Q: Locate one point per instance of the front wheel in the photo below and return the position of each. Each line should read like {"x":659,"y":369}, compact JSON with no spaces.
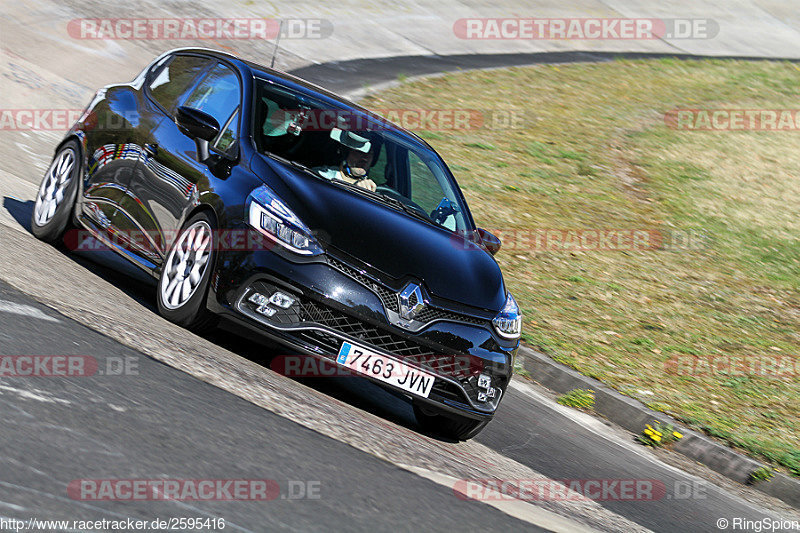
{"x":453,"y":427}
{"x":183,"y":285}
{"x":55,"y":200}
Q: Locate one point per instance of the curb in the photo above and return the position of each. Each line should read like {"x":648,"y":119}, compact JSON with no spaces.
{"x":633,"y":415}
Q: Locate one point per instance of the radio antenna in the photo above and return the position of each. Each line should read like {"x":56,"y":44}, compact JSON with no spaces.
{"x":277,"y":40}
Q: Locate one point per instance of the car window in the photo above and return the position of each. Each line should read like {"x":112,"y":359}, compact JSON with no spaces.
{"x":331,"y":141}
{"x":227,"y":136}
{"x":172,"y":81}
{"x":425,"y":189}
{"x":378,"y":171}
{"x":217,"y":94}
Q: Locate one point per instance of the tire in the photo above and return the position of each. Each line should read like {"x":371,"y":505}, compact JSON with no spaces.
{"x":183,"y":285}
{"x":452,"y":427}
{"x":55,"y":200}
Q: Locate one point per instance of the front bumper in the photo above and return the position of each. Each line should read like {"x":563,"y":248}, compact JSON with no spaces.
{"x":337,"y":302}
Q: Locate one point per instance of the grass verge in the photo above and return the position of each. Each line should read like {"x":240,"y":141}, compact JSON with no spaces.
{"x":707,"y":331}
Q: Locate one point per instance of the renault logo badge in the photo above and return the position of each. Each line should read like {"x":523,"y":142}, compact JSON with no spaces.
{"x":411,"y":301}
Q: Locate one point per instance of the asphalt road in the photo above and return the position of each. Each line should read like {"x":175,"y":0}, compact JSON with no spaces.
{"x":358,"y":76}
{"x":155,"y":422}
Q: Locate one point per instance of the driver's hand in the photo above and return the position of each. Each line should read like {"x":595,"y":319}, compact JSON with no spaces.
{"x":367,"y":184}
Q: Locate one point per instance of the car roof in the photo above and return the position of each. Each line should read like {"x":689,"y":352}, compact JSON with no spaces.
{"x":310,"y":88}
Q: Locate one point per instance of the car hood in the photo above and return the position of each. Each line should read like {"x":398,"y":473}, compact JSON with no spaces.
{"x":389,"y":240}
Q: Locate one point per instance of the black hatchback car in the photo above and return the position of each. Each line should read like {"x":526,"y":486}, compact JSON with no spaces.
{"x":251,"y":194}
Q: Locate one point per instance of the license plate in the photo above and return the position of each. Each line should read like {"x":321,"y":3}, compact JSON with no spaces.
{"x":386,"y":369}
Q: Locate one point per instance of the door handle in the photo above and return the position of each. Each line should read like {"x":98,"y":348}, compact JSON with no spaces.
{"x":151,"y":149}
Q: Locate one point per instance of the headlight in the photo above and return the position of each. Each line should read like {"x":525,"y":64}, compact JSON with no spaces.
{"x":271,"y":217}
{"x":508,"y":322}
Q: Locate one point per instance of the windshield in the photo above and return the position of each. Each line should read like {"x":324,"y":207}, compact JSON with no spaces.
{"x":345,"y":146}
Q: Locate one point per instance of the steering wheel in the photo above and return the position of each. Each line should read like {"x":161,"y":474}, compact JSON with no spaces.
{"x":388,"y":191}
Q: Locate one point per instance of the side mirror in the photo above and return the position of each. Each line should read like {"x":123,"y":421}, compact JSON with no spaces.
{"x":198,"y":125}
{"x":489,"y":241}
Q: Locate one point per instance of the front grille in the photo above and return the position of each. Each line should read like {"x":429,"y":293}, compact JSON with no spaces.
{"x":429,"y":314}
{"x":327,"y":343}
{"x":389,"y":298}
{"x":322,"y":329}
{"x":311,"y":311}
{"x":307,"y":311}
{"x":442,"y":364}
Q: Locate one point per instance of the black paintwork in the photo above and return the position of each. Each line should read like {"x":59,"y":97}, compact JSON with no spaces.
{"x":142,"y":175}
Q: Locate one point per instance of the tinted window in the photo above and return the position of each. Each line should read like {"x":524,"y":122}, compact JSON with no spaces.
{"x":228,"y":135}
{"x":217,"y":94}
{"x":425,"y":188}
{"x":174,"y":79}
{"x":329,"y":140}
{"x":378,"y":172}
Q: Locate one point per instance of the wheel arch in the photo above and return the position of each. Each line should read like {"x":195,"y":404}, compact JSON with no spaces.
{"x":81,"y":146}
{"x":203,"y":207}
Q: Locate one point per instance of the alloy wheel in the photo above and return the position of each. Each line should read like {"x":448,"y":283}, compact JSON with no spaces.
{"x":186,"y":265}
{"x":54,"y":184}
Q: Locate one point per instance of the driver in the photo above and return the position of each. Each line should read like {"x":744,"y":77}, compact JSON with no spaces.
{"x":359,"y":154}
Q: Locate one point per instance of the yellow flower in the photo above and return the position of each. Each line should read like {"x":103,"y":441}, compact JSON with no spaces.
{"x":658,"y":433}
{"x":656,"y":438}
{"x":677,"y":435}
{"x":648,"y":432}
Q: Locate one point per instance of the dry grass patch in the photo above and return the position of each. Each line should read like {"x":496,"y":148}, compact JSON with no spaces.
{"x":595,"y":153}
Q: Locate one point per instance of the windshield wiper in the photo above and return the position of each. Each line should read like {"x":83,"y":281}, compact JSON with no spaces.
{"x":404,"y":206}
{"x":295,"y":164}
{"x":386,"y":198}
